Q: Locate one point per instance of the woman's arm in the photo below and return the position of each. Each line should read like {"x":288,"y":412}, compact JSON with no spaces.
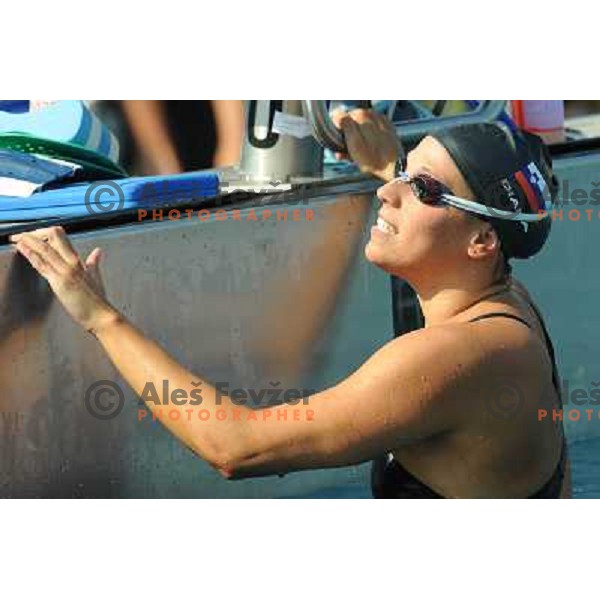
{"x":386,"y":402}
{"x":389,"y":399}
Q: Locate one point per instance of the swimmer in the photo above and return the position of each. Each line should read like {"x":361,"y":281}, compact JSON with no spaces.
{"x":446,"y":411}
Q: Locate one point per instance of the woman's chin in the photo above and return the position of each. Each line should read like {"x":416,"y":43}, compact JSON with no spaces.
{"x":374,"y":254}
{"x":380,"y":257}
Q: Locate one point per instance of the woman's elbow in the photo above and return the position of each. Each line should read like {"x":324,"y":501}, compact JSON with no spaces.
{"x":229,"y":464}
{"x":227,"y":472}
{"x":221,"y":459}
{"x":235,"y":459}
{"x":234,"y":467}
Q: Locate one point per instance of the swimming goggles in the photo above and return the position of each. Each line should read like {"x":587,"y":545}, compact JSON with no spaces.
{"x":434,"y":193}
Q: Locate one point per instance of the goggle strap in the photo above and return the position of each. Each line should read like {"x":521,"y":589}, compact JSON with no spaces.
{"x":482,"y":209}
{"x":495,"y":213}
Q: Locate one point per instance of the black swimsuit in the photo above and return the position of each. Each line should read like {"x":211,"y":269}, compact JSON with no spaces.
{"x":389,"y":479}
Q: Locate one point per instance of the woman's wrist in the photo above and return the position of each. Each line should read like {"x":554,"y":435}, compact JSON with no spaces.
{"x":108,"y":318}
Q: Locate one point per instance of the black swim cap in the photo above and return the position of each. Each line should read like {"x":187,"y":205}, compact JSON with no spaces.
{"x":510,"y":171}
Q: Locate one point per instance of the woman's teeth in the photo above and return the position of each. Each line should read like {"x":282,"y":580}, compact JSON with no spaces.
{"x":385,"y":226}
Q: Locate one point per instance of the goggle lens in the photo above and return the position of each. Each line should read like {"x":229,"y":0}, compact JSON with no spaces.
{"x":427,"y":189}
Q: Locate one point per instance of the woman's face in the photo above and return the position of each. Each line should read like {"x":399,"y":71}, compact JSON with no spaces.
{"x":415,"y":236}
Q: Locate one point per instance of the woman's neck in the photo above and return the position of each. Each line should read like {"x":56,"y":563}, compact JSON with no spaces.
{"x":440,"y":303}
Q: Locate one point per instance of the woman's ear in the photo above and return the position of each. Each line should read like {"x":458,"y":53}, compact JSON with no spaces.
{"x":484,"y":242}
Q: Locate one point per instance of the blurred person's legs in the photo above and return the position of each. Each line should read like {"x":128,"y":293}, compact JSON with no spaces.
{"x":229,"y":119}
{"x":162,"y":137}
{"x":173,"y":136}
{"x":191,"y":124}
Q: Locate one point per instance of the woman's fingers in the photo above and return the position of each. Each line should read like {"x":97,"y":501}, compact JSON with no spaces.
{"x":92,"y":266}
{"x":337,"y":116}
{"x":364,"y":142}
{"x":356,"y":142}
{"x":342,"y":120}
{"x":44,"y":268}
{"x":94,"y":258}
{"x":371,"y":140}
{"x":341,"y":156}
{"x":43,"y":234}
{"x":78,"y":286}
{"x":383,"y":123}
{"x":51,"y":254}
{"x":57,"y":239}
{"x":37,"y":246}
{"x":386,"y":126}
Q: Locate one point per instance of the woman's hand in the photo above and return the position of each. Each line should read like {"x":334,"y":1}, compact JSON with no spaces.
{"x":371,"y":140}
{"x":77,"y":285}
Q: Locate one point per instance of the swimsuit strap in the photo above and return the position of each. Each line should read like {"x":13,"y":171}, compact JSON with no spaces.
{"x":553,"y":487}
{"x":550,"y":347}
{"x":501,"y":314}
{"x":547,"y":340}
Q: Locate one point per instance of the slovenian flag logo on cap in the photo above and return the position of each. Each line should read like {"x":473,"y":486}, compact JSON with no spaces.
{"x":534,"y":186}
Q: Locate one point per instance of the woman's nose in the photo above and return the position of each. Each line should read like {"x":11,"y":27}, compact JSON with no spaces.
{"x":388,"y":194}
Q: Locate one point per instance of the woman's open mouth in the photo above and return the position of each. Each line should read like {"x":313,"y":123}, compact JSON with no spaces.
{"x":385,"y":227}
